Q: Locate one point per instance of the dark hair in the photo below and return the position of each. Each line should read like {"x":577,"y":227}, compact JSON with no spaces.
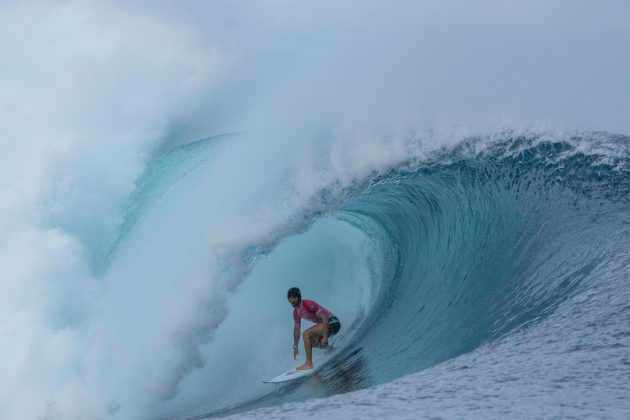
{"x":294,"y":292}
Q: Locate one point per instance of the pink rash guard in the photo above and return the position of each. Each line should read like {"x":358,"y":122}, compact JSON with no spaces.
{"x":310,"y":310}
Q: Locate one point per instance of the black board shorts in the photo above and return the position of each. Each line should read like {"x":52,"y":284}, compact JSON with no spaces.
{"x":333,"y":326}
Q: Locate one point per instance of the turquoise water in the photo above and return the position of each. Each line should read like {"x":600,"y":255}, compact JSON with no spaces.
{"x":424,"y":263}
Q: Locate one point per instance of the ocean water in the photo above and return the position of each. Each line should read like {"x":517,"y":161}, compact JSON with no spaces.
{"x":451,"y":180}
{"x":506,"y":290}
{"x":487,"y":280}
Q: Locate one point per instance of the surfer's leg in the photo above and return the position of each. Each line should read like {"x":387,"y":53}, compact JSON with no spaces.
{"x":311,"y":337}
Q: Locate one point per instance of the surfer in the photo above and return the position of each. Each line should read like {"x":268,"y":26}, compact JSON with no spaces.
{"x":326,"y":325}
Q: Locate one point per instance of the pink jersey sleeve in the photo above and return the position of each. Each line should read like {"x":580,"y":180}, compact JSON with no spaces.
{"x":309,"y":310}
{"x":315,"y":310}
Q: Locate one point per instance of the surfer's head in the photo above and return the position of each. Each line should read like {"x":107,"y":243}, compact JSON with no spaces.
{"x":295,"y":296}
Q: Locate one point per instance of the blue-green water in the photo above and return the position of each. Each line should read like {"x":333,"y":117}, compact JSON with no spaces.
{"x":472,"y":248}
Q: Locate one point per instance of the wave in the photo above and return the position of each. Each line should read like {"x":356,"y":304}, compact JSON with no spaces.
{"x":424,"y":253}
{"x":466,"y":248}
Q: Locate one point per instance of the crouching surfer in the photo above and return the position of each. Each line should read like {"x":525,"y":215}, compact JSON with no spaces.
{"x":326,"y":325}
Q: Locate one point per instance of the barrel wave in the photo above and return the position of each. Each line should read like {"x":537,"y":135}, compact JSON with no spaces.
{"x":505,"y":241}
{"x":474,"y":276}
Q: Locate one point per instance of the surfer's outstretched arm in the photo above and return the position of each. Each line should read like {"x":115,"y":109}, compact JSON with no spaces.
{"x":296,"y":340}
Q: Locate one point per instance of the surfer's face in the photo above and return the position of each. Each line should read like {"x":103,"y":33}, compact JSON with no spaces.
{"x":294,"y":301}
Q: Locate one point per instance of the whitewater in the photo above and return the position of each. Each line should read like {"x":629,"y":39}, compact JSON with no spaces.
{"x":452,"y":181}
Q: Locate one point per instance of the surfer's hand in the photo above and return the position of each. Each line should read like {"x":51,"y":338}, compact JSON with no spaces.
{"x":324,"y":342}
{"x":295,"y":352}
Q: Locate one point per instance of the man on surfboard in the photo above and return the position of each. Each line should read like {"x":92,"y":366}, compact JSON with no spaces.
{"x":326,"y":325}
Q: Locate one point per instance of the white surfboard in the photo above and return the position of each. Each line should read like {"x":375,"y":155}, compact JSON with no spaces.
{"x":290,"y":375}
{"x":293,"y":374}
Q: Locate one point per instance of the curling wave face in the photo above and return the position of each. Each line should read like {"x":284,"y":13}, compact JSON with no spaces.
{"x":424,"y":255}
{"x":475,"y":244}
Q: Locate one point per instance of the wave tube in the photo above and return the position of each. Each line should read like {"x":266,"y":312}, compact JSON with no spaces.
{"x":425,"y":257}
{"x":477,"y":244}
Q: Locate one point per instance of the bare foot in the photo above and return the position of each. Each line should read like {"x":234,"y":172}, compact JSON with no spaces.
{"x":305,"y":366}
